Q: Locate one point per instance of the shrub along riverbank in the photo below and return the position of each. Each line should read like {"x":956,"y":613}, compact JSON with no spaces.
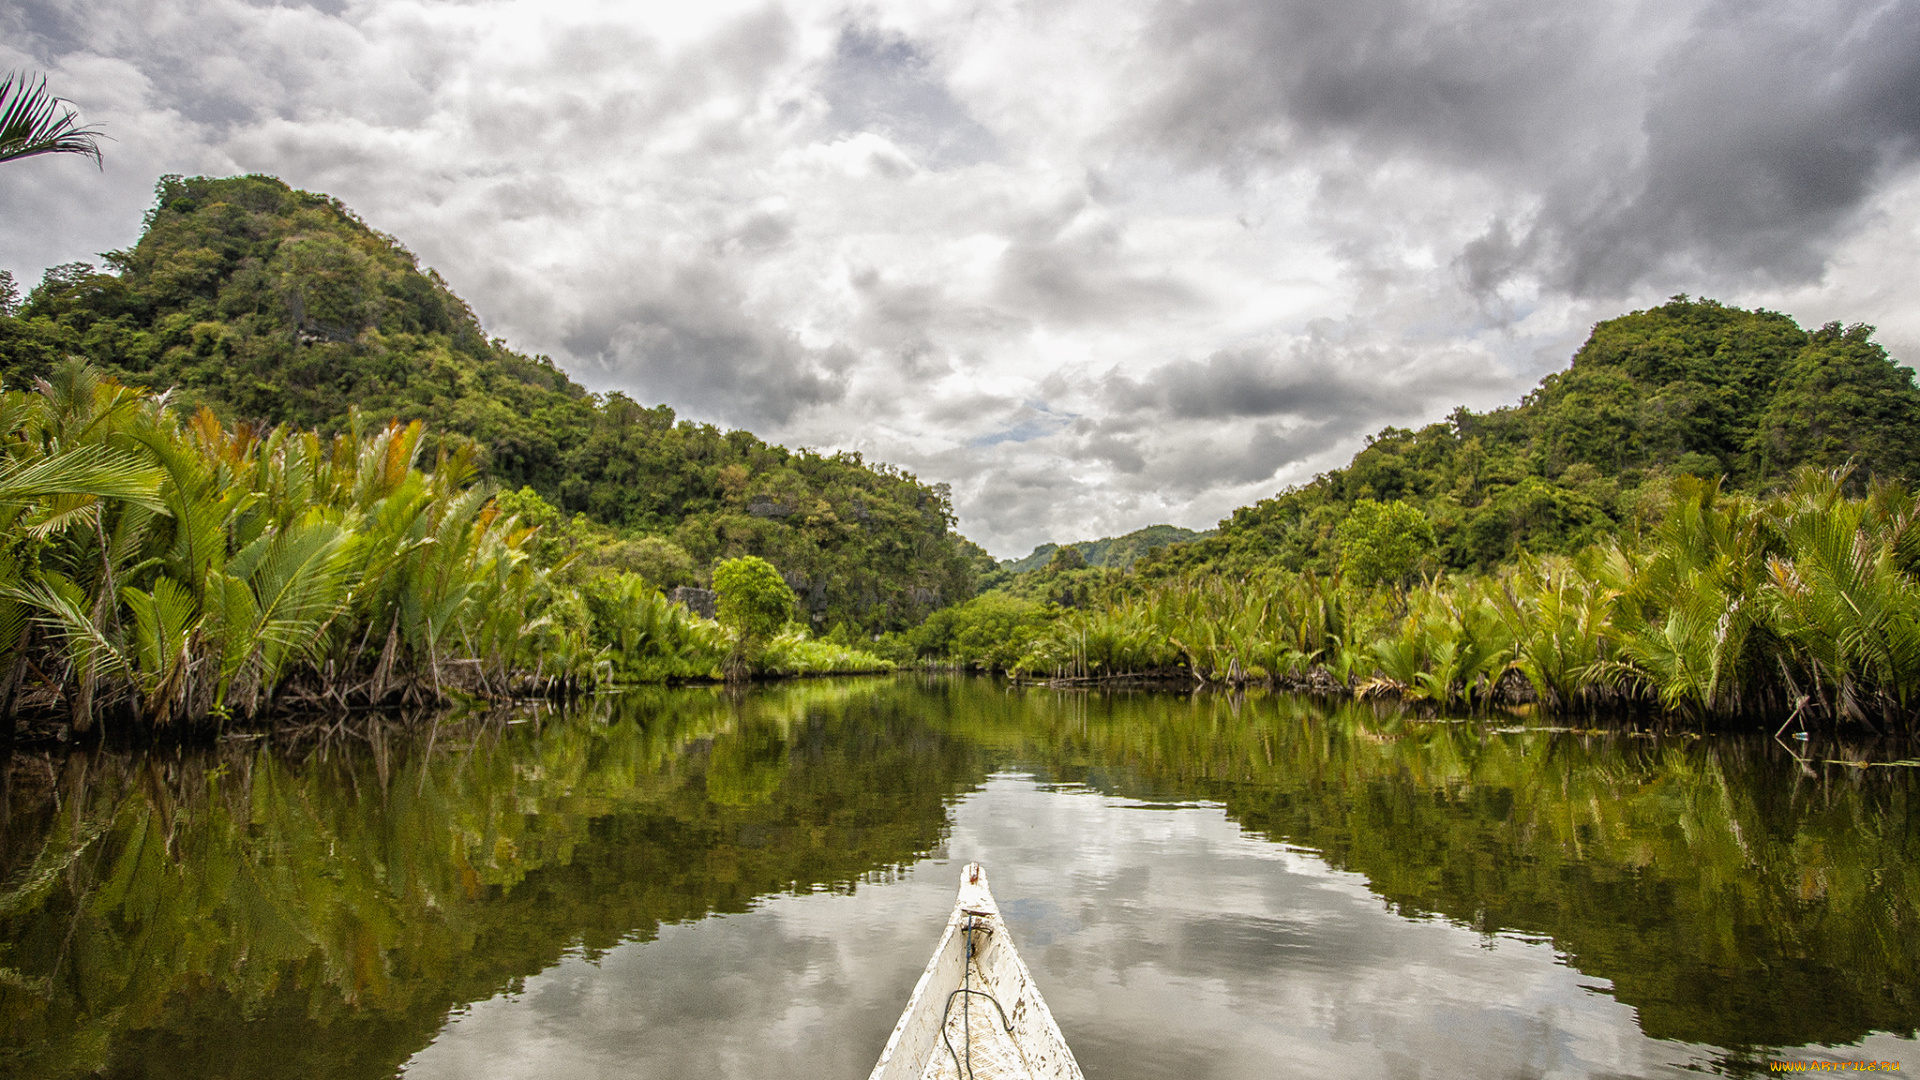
{"x":161,"y":571}
{"x":1800,"y":606}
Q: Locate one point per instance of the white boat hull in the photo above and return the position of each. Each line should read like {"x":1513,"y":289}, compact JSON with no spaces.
{"x":976,"y":1013}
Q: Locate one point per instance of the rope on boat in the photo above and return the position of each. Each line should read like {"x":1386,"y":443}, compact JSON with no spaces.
{"x":966,"y":994}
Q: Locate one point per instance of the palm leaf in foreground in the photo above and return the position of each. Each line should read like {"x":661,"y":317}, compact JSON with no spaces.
{"x":84,"y":470}
{"x":33,"y":122}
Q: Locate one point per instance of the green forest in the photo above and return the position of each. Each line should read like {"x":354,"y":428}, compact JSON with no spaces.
{"x":273,"y":306}
{"x":262,"y":465}
{"x":1706,"y":516}
{"x":262,"y":462}
{"x":1119,"y":552}
{"x":1690,"y":388}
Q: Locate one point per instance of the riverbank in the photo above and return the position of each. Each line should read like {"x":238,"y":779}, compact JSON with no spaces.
{"x":161,"y":573}
{"x":1800,"y":608}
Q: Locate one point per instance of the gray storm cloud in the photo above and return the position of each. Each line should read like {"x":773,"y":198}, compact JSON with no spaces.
{"x":1633,"y":141}
{"x":1329,"y":379}
{"x":1252,"y":382}
{"x":1767,"y":130}
{"x":1095,"y":264}
{"x":687,"y":341}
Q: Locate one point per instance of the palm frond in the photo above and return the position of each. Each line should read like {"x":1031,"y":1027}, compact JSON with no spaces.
{"x":64,"y":609}
{"x":90,"y":469}
{"x":34,"y":122}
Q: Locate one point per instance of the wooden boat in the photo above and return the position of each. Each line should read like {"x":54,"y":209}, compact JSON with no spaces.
{"x":976,"y":1013}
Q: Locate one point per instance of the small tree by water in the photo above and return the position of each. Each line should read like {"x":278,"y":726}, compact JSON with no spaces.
{"x":1383,"y":542}
{"x":754,"y":602}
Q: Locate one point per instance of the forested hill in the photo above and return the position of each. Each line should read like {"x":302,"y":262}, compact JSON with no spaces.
{"x":267,"y":303}
{"x":1118,"y":552}
{"x":1692,"y":386}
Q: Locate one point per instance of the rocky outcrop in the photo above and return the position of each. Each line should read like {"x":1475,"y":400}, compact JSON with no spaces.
{"x":766,"y":506}
{"x":698,"y":601}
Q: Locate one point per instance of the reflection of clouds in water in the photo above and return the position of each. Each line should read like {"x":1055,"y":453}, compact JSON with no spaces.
{"x":1209,"y":953}
{"x":801,"y":986}
{"x":1168,"y":943}
{"x":1041,"y":922}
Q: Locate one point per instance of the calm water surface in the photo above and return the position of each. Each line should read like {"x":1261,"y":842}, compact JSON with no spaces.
{"x":686,"y":884}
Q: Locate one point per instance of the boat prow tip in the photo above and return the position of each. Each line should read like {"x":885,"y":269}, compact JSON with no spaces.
{"x":975,"y":959}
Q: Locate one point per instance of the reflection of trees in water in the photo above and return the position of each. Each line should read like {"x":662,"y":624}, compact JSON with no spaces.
{"x":318,"y":910}
{"x":1732,"y":896}
{"x":246,"y":911}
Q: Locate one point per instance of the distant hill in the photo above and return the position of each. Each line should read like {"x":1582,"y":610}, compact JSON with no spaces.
{"x":266,"y":303}
{"x":1117,"y":552}
{"x":1691,"y":386}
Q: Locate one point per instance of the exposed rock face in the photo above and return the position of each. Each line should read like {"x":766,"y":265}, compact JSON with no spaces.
{"x":817,"y":599}
{"x":698,"y":601}
{"x":766,"y":506}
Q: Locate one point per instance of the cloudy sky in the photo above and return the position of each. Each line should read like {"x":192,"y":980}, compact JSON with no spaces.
{"x":1096,"y":263}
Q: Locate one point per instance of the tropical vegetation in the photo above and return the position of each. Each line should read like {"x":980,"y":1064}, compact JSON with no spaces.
{"x":272,"y":306}
{"x":1654,"y":527}
{"x":1708,"y":515}
{"x":1689,"y":388}
{"x":1799,"y":606}
{"x":1118,"y":552}
{"x":158,"y":570}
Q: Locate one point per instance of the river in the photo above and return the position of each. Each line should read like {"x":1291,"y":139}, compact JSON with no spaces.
{"x":695,"y":883}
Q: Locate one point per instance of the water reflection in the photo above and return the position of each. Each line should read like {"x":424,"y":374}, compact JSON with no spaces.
{"x":686,"y":883}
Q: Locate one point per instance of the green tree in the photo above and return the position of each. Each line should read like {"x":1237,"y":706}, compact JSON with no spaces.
{"x":754,"y":602}
{"x":1841,"y":401}
{"x":662,"y":562}
{"x":1067,"y":558}
{"x":1383,"y":542}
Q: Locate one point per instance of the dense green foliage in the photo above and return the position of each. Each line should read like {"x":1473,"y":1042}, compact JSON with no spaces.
{"x":752,"y":601}
{"x":752,"y":598}
{"x":166,"y":572}
{"x":157,"y":572}
{"x":1067,"y":574}
{"x":268,"y":304}
{"x":1687,"y":388}
{"x":1800,"y":605}
{"x":1383,"y":542}
{"x":256,"y":301}
{"x":994,"y":631}
{"x":1064,"y":579}
{"x":1706,"y":514}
